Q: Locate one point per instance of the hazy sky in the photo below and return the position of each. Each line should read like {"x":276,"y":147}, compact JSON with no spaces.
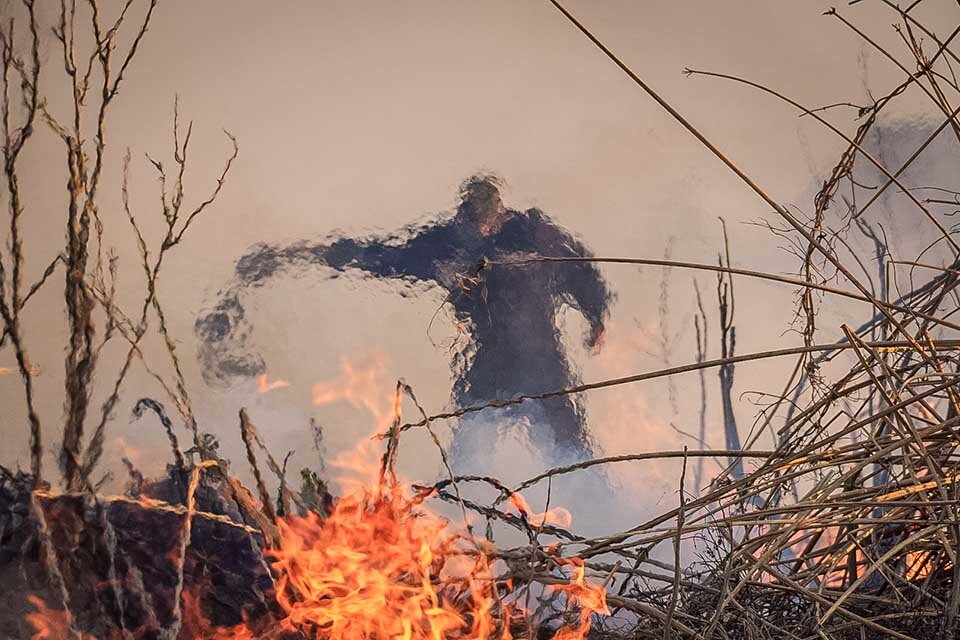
{"x":365,"y":116}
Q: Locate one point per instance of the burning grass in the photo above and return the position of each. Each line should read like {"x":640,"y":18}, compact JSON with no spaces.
{"x":845,"y":527}
{"x":377,"y":565}
{"x":799,"y":543}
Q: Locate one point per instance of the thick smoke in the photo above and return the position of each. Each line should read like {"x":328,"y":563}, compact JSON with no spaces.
{"x":509,"y":312}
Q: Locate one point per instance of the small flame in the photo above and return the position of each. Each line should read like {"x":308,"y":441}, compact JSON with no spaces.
{"x":196,"y":625}
{"x":363,"y":385}
{"x":9,"y":371}
{"x":557,"y":516}
{"x":50,"y":624}
{"x":265,"y":386}
{"x":587,"y":598}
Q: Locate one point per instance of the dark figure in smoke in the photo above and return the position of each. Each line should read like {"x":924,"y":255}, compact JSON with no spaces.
{"x":510,"y":312}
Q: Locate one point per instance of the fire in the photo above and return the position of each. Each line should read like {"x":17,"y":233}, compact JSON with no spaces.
{"x":588,"y":598}
{"x":557,"y":516}
{"x":265,"y":386}
{"x":49,"y":624}
{"x":195,"y":624}
{"x":381,"y":565}
{"x":362,"y":384}
{"x":376,"y":568}
{"x":9,"y":371}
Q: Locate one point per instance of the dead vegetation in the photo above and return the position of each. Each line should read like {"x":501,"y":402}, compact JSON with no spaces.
{"x":844,"y":526}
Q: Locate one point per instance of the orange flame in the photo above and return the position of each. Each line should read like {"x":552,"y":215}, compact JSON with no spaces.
{"x":557,"y":516}
{"x":373,"y":570}
{"x":265,"y":386}
{"x":587,"y":598}
{"x":195,"y":624}
{"x":362,"y":385}
{"x":9,"y":371}
{"x":49,"y":624}
{"x":382,"y":565}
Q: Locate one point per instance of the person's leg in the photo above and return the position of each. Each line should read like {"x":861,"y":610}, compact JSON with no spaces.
{"x":568,"y":428}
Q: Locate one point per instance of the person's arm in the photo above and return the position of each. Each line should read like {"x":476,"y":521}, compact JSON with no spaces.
{"x":581,"y":283}
{"x":223,"y":332}
{"x":390,"y":257}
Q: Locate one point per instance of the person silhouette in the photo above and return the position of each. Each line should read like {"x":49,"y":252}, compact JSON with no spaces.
{"x":509,"y":312}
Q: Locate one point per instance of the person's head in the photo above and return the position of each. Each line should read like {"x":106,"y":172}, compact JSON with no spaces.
{"x":480,"y":204}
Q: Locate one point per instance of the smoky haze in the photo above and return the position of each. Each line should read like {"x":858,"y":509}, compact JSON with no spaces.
{"x":353,"y":116}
